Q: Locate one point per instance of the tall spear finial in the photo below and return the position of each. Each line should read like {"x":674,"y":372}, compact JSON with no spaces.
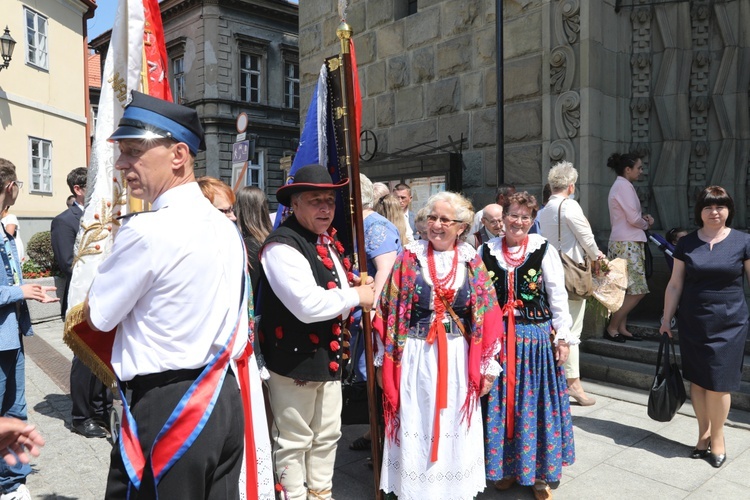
{"x":344,"y":32}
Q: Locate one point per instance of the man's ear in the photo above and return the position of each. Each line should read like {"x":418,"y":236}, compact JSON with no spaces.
{"x":181,"y":153}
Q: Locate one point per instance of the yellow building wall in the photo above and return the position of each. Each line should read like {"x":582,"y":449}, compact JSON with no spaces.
{"x":46,"y":104}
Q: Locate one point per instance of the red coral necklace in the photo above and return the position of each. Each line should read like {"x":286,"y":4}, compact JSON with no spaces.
{"x":508,"y":256}
{"x":446,"y":283}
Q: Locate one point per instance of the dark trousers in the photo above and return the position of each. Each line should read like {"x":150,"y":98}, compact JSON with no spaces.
{"x":91,"y":398}
{"x":209,"y":469}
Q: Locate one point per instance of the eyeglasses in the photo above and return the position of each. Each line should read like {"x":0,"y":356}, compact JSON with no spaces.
{"x":493,"y":222}
{"x":526,"y":219}
{"x":225,"y":211}
{"x":445,"y":221}
{"x":19,"y":184}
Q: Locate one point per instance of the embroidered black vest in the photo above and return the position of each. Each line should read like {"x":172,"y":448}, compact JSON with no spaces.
{"x":529,"y":284}
{"x":290,"y":347}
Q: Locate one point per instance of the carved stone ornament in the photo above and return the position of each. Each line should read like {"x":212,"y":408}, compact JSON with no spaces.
{"x":568,"y":114}
{"x":570,"y":21}
{"x":562,"y":68}
{"x":561,"y":149}
{"x":640,"y":105}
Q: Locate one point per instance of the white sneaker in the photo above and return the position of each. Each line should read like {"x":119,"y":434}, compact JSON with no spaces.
{"x":22,"y":493}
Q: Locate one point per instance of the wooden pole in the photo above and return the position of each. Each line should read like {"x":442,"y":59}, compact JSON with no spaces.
{"x":344,"y":32}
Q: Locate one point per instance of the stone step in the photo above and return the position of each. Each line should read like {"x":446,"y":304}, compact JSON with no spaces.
{"x":642,"y":352}
{"x":650,"y":329}
{"x":640,"y":375}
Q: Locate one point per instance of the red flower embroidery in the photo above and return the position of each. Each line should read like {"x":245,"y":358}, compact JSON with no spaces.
{"x":314,"y":339}
{"x":331,"y":285}
{"x":322,"y":251}
{"x":279,"y":488}
{"x":279,"y":332}
{"x":336,"y":329}
{"x":347,"y":263}
{"x":328,"y":263}
{"x":350,"y":277}
{"x":339,"y":246}
{"x":335,"y":346}
{"x":333,"y":366}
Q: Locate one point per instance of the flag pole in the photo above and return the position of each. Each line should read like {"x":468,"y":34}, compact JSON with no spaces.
{"x":344,"y":33}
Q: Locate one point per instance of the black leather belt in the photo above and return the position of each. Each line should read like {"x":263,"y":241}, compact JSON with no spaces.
{"x":142,"y":383}
{"x":421,"y":330}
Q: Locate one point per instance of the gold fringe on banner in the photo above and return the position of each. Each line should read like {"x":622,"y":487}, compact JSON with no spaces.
{"x":75,"y":320}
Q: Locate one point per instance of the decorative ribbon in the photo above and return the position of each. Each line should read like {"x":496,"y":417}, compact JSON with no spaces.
{"x":437,"y":331}
{"x":509,"y":310}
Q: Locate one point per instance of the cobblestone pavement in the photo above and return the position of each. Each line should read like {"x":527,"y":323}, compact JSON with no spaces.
{"x":620,"y":452}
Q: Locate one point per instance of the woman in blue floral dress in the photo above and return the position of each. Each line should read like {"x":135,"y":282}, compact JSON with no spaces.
{"x":529,"y":429}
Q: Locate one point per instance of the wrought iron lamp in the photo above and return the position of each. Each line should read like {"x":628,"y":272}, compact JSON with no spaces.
{"x":7,"y":44}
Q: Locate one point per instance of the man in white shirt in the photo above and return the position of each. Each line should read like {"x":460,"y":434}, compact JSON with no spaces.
{"x":403,"y":193}
{"x":306,"y":293}
{"x":178,"y":303}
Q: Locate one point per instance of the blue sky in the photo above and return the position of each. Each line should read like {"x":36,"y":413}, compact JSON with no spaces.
{"x":104,"y":17}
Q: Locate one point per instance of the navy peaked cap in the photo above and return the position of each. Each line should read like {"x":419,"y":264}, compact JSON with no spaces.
{"x":147,"y":117}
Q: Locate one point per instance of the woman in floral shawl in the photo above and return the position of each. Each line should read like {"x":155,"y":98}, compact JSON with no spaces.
{"x":438,"y":329}
{"x":529,"y":433}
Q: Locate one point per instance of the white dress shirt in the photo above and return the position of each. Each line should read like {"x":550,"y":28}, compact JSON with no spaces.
{"x":576,"y":236}
{"x":292,"y":280}
{"x":171,"y":286}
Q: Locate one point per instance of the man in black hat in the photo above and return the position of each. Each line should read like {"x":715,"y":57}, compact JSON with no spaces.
{"x":307,"y":293}
{"x":179,"y":305}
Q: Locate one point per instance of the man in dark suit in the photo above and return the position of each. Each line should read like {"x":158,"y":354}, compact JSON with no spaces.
{"x":403,"y":193}
{"x":91,"y":399}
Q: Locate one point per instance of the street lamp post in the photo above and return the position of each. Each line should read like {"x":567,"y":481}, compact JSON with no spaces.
{"x":7,"y":44}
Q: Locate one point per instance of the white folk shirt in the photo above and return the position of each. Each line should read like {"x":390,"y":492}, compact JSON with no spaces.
{"x":171,"y":286}
{"x":292,"y":280}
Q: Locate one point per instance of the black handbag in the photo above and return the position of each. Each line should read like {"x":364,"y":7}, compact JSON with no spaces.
{"x":648,"y":261}
{"x":667,"y":393}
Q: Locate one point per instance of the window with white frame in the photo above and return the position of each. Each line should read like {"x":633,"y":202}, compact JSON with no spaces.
{"x":254,"y":173}
{"x":36,"y":39}
{"x":178,"y":79}
{"x":291,"y":85}
{"x":250,"y":77}
{"x":40,"y":161}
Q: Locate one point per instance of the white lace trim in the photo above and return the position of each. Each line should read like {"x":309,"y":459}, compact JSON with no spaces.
{"x":495,"y":246}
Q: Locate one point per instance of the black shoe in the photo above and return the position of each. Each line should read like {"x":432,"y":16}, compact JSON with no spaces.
{"x":717,"y":461}
{"x":620,"y":339}
{"x":89,"y":429}
{"x":700,"y":453}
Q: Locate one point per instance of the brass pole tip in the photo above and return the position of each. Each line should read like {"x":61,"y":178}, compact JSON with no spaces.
{"x":344,"y":31}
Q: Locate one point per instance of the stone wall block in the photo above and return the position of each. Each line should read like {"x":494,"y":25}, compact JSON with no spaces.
{"x":472,"y":174}
{"x":490,"y":86}
{"x":379,"y":13}
{"x":460,"y":17}
{"x":356,"y":17}
{"x":368,"y":113}
{"x":486,"y":47}
{"x":390,"y":40}
{"x":442,"y":97}
{"x":365,"y":45}
{"x":522,"y":165}
{"x":397,"y":72}
{"x":452,"y":127}
{"x":409,"y":104}
{"x":310,"y":36}
{"x":523,"y":78}
{"x":421,"y":28}
{"x":523,"y":121}
{"x":453,"y":56}
{"x":423,"y":65}
{"x":384,"y":106}
{"x":483,"y":128}
{"x":522,"y":35}
{"x":407,"y":135}
{"x":490,"y":173}
{"x":472,"y":90}
{"x":375,"y":79}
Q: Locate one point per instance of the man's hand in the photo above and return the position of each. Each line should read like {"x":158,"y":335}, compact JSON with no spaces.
{"x":18,"y":439}
{"x":39,"y":293}
{"x":366,"y":293}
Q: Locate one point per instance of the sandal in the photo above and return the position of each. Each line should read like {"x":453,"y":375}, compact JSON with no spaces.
{"x":542,"y":491}
{"x":361,"y":444}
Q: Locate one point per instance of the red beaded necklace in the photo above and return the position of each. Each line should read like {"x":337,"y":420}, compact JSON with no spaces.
{"x":515,"y":261}
{"x":444,"y":284}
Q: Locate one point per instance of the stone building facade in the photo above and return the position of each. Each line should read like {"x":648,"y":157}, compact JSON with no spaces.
{"x":227,"y":57}
{"x":668,"y":79}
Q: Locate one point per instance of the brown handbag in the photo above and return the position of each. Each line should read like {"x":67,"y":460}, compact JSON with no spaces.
{"x":578,"y":282}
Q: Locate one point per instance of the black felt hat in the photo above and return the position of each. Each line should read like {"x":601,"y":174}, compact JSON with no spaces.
{"x":308,"y":178}
{"x":147,"y":117}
